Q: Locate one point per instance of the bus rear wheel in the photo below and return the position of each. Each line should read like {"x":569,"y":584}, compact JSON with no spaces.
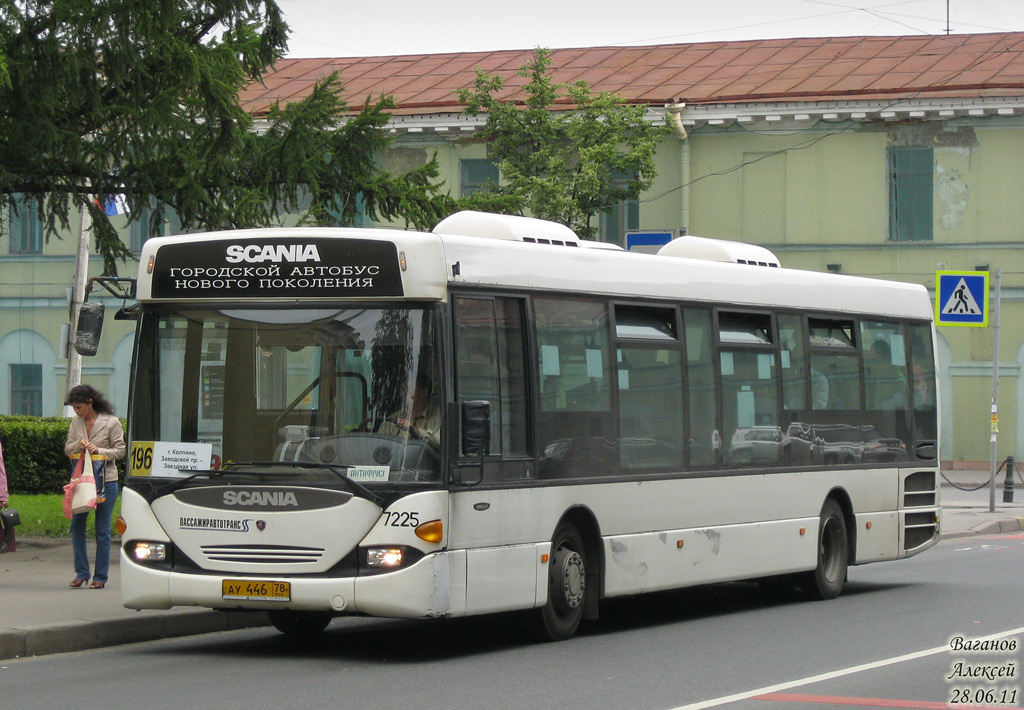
{"x":300,"y":624}
{"x":567,"y":585}
{"x":828,"y":578}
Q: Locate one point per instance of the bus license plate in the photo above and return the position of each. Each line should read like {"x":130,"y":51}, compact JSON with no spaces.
{"x":256,"y":590}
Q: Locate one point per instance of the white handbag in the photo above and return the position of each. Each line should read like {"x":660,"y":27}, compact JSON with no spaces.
{"x":80,"y":492}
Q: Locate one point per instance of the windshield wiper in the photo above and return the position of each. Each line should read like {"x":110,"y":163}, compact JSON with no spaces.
{"x":171,"y":486}
{"x":355,"y":487}
{"x":337,"y":469}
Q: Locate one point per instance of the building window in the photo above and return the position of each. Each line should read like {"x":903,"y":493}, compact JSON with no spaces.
{"x":337,"y":211}
{"x":141,"y":229}
{"x":910,"y":176}
{"x":27,"y":390}
{"x":615,"y":221}
{"x":26,"y":226}
{"x":476,"y":174}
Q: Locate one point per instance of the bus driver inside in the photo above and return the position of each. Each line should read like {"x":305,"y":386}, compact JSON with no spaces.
{"x":424,"y":422}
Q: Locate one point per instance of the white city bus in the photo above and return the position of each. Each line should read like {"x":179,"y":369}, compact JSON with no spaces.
{"x":586,"y":423}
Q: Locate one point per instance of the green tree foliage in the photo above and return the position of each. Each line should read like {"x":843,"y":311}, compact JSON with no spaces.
{"x":566,"y":153}
{"x":108,"y":97}
{"x":5,"y":78}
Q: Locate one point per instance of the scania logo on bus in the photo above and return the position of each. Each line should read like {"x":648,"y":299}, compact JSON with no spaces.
{"x":275,"y":499}
{"x":262,"y":498}
{"x":277,"y":253}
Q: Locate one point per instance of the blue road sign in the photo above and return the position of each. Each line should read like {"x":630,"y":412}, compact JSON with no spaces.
{"x":647,"y":241}
{"x":961,"y":298}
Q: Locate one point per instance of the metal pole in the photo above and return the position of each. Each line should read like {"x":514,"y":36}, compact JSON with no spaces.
{"x":1011,"y":466}
{"x":995,"y":388}
{"x":74,"y":372}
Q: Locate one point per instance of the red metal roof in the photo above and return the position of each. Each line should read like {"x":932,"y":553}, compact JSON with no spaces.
{"x":776,"y":70}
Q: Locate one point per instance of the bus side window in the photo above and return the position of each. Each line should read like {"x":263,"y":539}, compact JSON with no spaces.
{"x":835,"y":366}
{"x":922,"y":367}
{"x":704,"y":443}
{"x":650,"y":386}
{"x":576,"y":425}
{"x":489,"y":367}
{"x":885,"y":366}
{"x":794,"y":364}
{"x":750,"y":385}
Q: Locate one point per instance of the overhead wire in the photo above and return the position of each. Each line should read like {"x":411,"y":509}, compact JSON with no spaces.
{"x":851,"y":125}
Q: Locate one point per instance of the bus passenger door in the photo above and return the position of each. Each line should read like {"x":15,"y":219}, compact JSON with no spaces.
{"x":490,"y":523}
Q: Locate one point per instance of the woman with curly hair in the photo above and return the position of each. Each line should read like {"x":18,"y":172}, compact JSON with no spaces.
{"x":97,"y":431}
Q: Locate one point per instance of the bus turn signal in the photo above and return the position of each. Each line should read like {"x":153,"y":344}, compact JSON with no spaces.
{"x":431,"y":531}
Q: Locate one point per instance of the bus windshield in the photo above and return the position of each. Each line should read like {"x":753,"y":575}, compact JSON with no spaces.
{"x":309,"y":391}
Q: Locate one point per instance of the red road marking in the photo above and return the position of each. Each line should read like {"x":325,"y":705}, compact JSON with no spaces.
{"x":868,"y":702}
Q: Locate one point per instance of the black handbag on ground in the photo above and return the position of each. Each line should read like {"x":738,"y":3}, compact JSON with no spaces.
{"x":9,"y":518}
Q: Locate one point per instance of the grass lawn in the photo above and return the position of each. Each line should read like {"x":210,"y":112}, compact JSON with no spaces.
{"x":43,"y":516}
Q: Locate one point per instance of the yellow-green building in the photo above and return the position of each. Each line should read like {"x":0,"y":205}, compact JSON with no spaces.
{"x":893,"y":157}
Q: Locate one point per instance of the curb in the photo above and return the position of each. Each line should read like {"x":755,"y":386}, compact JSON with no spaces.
{"x":991,"y":527}
{"x":85,"y":634}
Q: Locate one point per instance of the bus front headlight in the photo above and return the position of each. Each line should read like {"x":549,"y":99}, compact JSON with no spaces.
{"x":143,"y":551}
{"x":386,"y":557}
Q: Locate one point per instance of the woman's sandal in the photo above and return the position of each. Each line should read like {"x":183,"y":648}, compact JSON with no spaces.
{"x":97,"y":585}
{"x":76,"y":583}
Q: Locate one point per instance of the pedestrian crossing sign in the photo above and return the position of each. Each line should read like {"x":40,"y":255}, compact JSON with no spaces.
{"x":961,"y":298}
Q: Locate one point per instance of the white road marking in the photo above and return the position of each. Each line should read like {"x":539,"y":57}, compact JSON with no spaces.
{"x":725,"y":700}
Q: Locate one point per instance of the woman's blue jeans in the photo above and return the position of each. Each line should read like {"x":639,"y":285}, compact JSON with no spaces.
{"x":104,"y":511}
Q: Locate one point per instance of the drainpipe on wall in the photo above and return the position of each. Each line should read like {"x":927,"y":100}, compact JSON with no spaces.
{"x":674,"y":114}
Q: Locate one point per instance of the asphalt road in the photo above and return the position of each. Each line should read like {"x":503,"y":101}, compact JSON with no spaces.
{"x":885,"y":642}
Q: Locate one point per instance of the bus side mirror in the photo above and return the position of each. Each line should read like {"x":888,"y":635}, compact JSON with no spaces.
{"x":476,"y":428}
{"x":90,"y":323}
{"x":476,"y":436}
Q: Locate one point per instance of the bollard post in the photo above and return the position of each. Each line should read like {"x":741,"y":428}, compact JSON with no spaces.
{"x":1011,"y":466}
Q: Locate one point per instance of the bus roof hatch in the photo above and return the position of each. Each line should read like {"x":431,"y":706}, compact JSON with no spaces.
{"x":508,"y":227}
{"x":720,"y":250}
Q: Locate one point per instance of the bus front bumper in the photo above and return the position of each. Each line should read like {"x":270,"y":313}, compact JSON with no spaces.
{"x":418,"y":591}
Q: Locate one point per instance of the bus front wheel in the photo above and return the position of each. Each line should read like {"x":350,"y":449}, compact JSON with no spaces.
{"x":300,"y":624}
{"x":828,"y":578}
{"x":567,"y":584}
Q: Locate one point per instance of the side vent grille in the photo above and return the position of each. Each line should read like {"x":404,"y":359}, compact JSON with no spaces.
{"x":915,"y":537}
{"x":920,"y":525}
{"x":920,"y":481}
{"x":918,"y":500}
{"x":751,"y":262}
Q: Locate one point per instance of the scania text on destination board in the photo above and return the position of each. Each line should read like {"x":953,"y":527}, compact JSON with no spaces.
{"x":306,"y":268}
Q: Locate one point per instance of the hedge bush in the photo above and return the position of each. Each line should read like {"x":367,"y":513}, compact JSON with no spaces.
{"x":34,"y":453}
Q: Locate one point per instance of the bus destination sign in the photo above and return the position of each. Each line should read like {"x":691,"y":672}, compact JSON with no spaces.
{"x":293,"y":268}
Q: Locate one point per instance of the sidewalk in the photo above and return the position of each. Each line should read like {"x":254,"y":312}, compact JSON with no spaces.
{"x":40,"y":615}
{"x":966,"y":498}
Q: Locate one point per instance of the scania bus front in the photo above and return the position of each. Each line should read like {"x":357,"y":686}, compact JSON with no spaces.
{"x":285,"y":455}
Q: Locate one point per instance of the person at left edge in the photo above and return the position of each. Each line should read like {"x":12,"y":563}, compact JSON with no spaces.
{"x":6,"y":536}
{"x":3,"y":479}
{"x":96,"y":429}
